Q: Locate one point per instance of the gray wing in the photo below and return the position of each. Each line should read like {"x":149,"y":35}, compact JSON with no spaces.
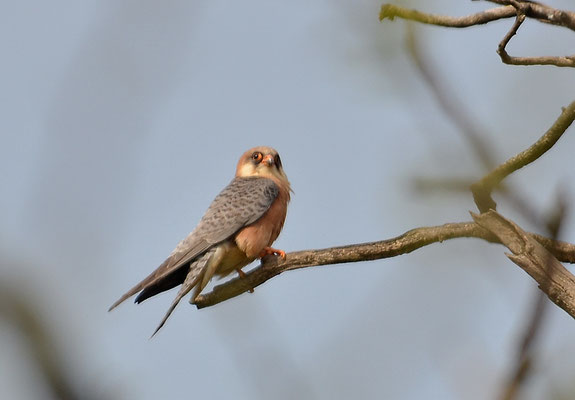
{"x":241,"y":203}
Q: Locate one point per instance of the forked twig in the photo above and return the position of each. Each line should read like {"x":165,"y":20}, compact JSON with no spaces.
{"x":509,"y":8}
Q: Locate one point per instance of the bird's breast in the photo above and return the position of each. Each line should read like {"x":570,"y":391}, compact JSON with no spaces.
{"x":255,"y":237}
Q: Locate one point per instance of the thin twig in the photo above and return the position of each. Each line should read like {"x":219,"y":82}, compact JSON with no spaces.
{"x":390,"y":11}
{"x":510,"y":8}
{"x":557,"y":61}
{"x":565,"y":61}
{"x":541,"y":12}
{"x":483,"y":188}
{"x":406,"y":243}
{"x":512,"y":32}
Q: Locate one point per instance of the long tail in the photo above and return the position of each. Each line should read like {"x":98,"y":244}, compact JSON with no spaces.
{"x":197,"y":269}
{"x":154,"y":283}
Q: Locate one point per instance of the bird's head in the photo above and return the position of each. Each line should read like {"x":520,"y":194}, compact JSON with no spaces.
{"x":261,"y":161}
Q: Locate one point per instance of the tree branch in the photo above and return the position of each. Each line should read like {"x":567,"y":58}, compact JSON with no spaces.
{"x":553,"y":278}
{"x":541,"y":12}
{"x":526,"y":354}
{"x":566,"y":61}
{"x":561,"y":61}
{"x":390,"y":11}
{"x":483,"y":188}
{"x":510,"y":8}
{"x":412,"y":240}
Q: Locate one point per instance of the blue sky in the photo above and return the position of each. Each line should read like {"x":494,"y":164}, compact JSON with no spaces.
{"x":122,"y":121}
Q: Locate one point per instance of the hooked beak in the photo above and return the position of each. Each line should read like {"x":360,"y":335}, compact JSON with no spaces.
{"x":268,"y":160}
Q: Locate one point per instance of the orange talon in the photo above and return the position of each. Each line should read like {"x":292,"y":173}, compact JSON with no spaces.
{"x":242,"y":275}
{"x":270,"y":250}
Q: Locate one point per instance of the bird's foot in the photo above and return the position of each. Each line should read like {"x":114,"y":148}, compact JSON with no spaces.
{"x":270,"y":250}
{"x":242,"y":275}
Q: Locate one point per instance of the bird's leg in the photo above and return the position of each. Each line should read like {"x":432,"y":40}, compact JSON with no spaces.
{"x":242,"y":275}
{"x":270,"y":250}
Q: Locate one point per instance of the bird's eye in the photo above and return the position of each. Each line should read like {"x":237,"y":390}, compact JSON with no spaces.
{"x":257,"y":156}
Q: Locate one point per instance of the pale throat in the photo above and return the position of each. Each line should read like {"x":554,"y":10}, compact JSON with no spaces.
{"x":248,"y":170}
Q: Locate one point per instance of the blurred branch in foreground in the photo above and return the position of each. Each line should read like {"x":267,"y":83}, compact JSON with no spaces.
{"x":452,"y":106}
{"x":20,"y":312}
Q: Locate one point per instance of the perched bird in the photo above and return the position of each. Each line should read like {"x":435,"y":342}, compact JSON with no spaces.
{"x":239,"y":226}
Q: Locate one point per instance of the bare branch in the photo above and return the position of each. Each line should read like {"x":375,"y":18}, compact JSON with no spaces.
{"x":538,"y":11}
{"x":553,"y":278}
{"x":510,"y":8}
{"x":566,"y":61}
{"x":412,"y":240}
{"x":562,"y":61}
{"x":483,"y":188}
{"x":512,"y":32}
{"x":524,"y":361}
{"x":541,"y":12}
{"x":390,"y":11}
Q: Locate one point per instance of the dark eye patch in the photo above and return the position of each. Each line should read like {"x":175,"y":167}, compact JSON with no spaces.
{"x":277,"y":160}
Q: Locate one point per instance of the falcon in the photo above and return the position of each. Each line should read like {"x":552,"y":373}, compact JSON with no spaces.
{"x":239,"y":226}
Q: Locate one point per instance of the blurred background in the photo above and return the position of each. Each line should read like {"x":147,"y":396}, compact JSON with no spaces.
{"x":122,"y":120}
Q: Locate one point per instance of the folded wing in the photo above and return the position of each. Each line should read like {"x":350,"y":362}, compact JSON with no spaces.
{"x":240,"y":204}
